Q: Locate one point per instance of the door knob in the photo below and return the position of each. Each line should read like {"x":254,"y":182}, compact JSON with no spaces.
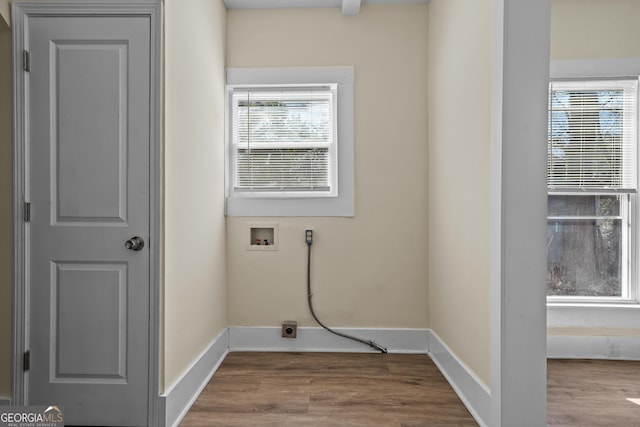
{"x":135,"y":243}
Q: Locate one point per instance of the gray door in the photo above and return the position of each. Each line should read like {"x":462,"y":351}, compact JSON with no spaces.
{"x":88,"y":127}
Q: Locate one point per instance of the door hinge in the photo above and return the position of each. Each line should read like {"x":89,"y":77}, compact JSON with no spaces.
{"x":27,"y":211}
{"x":25,"y":60}
{"x":26,"y":360}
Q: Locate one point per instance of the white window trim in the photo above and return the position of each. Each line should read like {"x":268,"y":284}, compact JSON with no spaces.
{"x":343,"y":204}
{"x":607,"y":70}
{"x":600,"y":314}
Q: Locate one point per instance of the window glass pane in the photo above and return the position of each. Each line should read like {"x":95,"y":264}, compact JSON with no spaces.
{"x":584,"y":257}
{"x":284,"y":141}
{"x":283,"y":169}
{"x":592,"y":135}
{"x":277,"y":121}
{"x":589,"y":205}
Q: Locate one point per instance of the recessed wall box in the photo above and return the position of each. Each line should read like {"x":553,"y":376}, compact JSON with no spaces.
{"x":263,"y":237}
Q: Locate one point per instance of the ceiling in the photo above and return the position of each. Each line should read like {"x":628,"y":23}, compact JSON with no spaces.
{"x":349,"y":7}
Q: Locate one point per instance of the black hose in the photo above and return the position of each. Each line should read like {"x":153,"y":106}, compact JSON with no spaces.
{"x":370,"y":343}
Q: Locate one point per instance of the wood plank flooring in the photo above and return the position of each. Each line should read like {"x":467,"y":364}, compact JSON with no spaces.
{"x":325,"y":389}
{"x":593,"y":393}
{"x":328,"y":389}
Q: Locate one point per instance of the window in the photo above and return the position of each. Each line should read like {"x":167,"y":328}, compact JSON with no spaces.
{"x":592,"y":186}
{"x":283,"y":141}
{"x":290,"y":142}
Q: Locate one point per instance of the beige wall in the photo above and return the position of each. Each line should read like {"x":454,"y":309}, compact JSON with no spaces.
{"x":459,"y":146}
{"x":595,"y":29}
{"x":6,"y":211}
{"x":5,"y":11}
{"x":194,"y":228}
{"x":370,"y":270}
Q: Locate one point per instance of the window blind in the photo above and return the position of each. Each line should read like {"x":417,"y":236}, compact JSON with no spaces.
{"x":283,"y":139}
{"x":592,"y":135}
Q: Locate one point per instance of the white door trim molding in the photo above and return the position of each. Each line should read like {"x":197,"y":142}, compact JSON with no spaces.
{"x":21,"y":13}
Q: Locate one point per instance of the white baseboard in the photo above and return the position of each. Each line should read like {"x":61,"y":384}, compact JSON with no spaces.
{"x":473,"y":393}
{"x":316,"y":339}
{"x":593,"y":347}
{"x":5,"y":401}
{"x":179,"y":398}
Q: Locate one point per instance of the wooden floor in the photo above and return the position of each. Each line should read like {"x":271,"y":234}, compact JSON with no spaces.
{"x":593,"y":393}
{"x":325,"y":389}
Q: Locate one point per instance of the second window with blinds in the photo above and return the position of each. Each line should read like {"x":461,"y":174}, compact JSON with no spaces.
{"x":592,"y":184}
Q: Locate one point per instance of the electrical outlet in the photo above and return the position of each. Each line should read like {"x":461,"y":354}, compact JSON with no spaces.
{"x":290,"y":329}
{"x":308,"y":236}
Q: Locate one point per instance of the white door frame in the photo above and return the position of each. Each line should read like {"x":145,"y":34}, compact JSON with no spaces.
{"x":21,"y":13}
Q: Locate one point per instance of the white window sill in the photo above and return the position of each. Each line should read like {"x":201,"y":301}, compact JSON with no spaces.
{"x":593,"y":315}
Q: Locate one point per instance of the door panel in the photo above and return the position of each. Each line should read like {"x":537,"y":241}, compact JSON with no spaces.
{"x":88,"y":150}
{"x":93,"y":144}
{"x":90,"y":338}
